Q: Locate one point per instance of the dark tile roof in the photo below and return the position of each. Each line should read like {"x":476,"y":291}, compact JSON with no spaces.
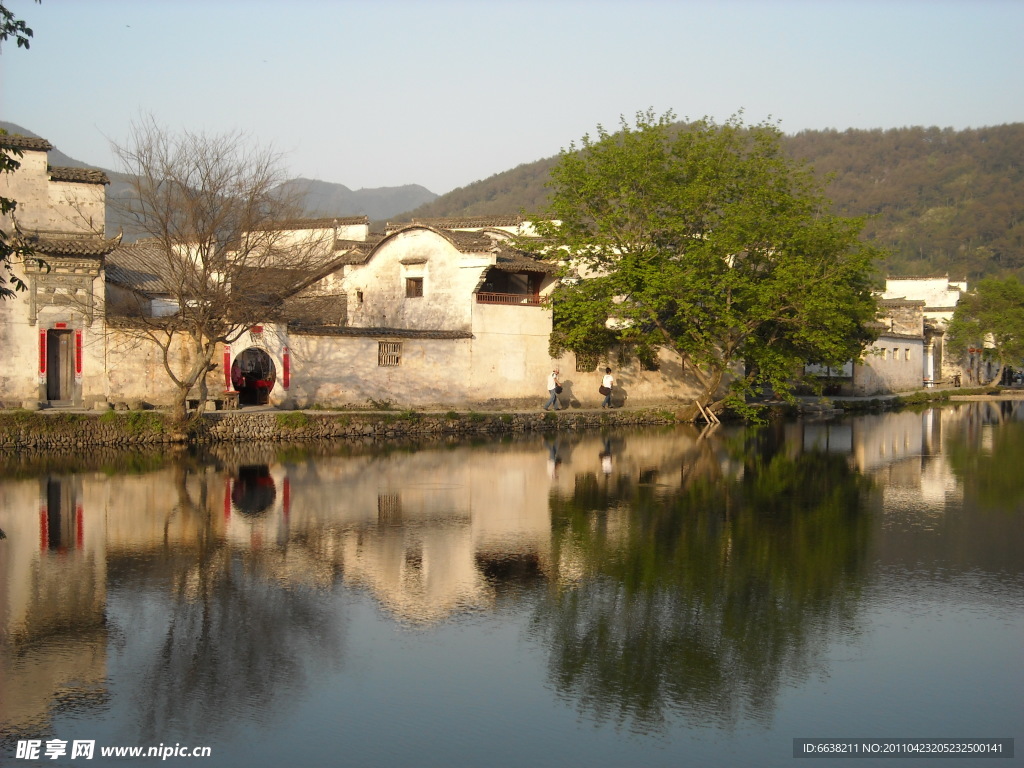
{"x":511,"y":260}
{"x":901,"y":302}
{"x":17,"y":141}
{"x":316,"y":310}
{"x":356,"y":251}
{"x":476,"y":222}
{"x":86,"y":175}
{"x":53,"y":244}
{"x":469,"y":242}
{"x":141,"y":266}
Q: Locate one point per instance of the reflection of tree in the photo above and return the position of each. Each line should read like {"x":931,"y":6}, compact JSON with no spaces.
{"x":704,"y":601}
{"x":990,"y":473}
{"x":235,"y":639}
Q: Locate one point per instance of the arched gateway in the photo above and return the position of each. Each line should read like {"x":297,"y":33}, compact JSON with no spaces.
{"x":253,"y":375}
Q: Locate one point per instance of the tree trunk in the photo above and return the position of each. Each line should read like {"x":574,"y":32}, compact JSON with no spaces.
{"x":710,"y":384}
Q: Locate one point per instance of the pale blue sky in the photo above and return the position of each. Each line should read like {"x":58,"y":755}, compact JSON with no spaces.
{"x":442,"y":93}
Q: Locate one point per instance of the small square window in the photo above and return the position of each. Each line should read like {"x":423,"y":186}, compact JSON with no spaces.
{"x":413,"y":287}
{"x":389,"y":353}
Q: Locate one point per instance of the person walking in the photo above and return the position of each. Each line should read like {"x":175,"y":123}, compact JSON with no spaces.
{"x":606,"y":388}
{"x":553,"y":389}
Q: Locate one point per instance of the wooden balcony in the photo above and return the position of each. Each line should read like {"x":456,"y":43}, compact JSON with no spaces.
{"x":509,"y":299}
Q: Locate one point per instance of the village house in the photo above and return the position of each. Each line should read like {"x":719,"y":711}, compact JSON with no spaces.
{"x":891,"y":363}
{"x":442,"y":313}
{"x":53,"y":333}
{"x":939,"y":296}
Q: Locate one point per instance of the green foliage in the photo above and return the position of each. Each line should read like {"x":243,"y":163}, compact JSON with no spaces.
{"x":476,"y":418}
{"x":452,"y":416}
{"x":991,"y":317}
{"x":136,"y":422}
{"x":12,"y":27}
{"x":43,"y":423}
{"x":707,"y":240}
{"x":292,"y":420}
{"x":380,"y":405}
{"x":938,"y":200}
{"x":520,"y":189}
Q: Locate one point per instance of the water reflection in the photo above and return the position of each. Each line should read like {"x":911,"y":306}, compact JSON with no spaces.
{"x":667,"y":574}
{"x":705,"y":594}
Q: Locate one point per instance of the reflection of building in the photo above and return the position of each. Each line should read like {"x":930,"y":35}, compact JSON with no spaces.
{"x":52,"y":600}
{"x":904,"y":450}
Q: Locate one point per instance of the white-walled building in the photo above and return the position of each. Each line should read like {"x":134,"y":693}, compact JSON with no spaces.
{"x":939,"y":297}
{"x":53,"y":333}
{"x":438,"y":312}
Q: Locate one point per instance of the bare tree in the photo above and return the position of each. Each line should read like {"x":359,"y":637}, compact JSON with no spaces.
{"x":214,"y":212}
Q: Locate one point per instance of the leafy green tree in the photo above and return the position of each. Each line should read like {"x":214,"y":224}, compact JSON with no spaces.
{"x":707,"y":240}
{"x":10,"y":249}
{"x":991,"y":317}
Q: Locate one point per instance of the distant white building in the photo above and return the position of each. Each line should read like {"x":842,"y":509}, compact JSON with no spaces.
{"x":892,"y":363}
{"x":939,"y":295}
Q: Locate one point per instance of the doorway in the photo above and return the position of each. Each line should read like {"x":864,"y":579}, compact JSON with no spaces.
{"x":60,"y":368}
{"x":253,"y":375}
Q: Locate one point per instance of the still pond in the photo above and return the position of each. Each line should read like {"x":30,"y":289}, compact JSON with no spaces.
{"x":649,"y":597}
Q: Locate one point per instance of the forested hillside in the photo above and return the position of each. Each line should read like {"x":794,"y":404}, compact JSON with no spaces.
{"x":941,"y":201}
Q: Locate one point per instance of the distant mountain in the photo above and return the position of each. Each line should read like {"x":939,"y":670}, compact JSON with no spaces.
{"x":940,"y":201}
{"x":321,"y":198}
{"x":325,"y":199}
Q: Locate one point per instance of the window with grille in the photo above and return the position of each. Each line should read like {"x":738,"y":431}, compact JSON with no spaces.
{"x":389,"y":353}
{"x":413,"y":287}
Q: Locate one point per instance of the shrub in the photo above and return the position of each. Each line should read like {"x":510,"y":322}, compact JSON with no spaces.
{"x":292,"y":420}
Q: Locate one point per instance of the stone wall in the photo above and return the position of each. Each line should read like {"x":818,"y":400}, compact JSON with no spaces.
{"x":21,"y":430}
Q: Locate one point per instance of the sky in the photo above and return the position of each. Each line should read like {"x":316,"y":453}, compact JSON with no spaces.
{"x":442,"y":93}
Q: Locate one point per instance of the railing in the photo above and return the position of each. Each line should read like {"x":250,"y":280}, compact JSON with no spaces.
{"x":520,"y":299}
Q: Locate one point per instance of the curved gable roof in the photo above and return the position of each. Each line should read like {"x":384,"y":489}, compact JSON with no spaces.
{"x":464,"y":242}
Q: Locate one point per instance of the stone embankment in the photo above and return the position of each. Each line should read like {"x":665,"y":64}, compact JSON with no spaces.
{"x":65,"y":430}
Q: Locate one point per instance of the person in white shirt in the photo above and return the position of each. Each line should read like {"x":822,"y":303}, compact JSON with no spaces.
{"x":553,"y":391}
{"x":607,"y":383}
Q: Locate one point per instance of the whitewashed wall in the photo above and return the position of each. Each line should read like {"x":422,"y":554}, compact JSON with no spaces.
{"x":891,"y":365}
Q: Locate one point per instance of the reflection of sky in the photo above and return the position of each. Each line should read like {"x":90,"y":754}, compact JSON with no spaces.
{"x":928,"y":662}
{"x":474,"y":692}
